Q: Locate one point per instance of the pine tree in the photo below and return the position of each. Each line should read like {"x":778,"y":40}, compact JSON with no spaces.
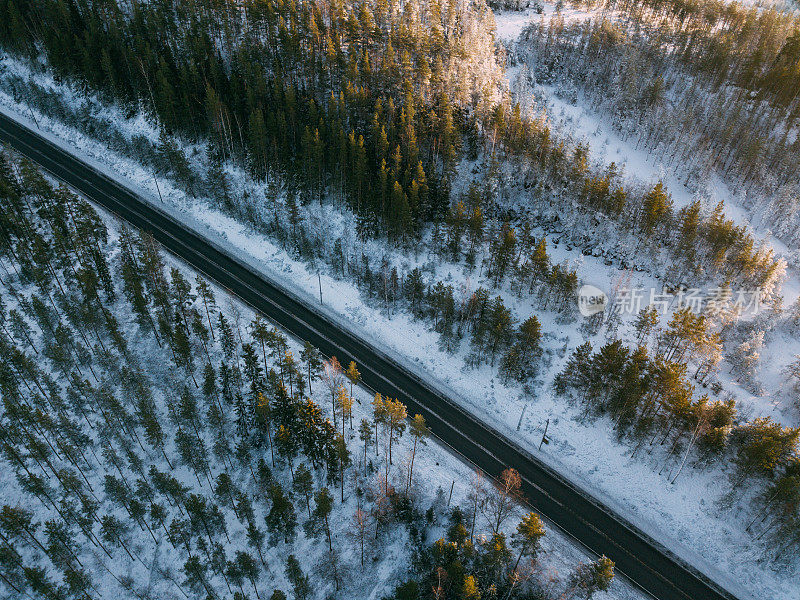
{"x":233,"y":574}
{"x":264,"y":414}
{"x":499,"y":327}
{"x":333,"y":377}
{"x":470,"y":589}
{"x":353,"y":375}
{"x":395,"y":422}
{"x":763,"y":446}
{"x":114,"y":532}
{"x":182,"y":348}
{"x":228,"y":341}
{"x":419,"y":431}
{"x":323,"y":505}
{"x":281,"y":519}
{"x":299,"y":581}
{"x":645,"y":322}
{"x":313,"y":359}
{"x":226,"y":493}
{"x":255,"y":538}
{"x":206,"y":294}
{"x":345,"y":402}
{"x":343,"y":456}
{"x":592,"y":578}
{"x":195,"y":572}
{"x":288,"y":446}
{"x":656,"y":209}
{"x":576,"y":373}
{"x":512,"y":366}
{"x":304,"y":485}
{"x":17,"y":522}
{"x":263,"y":335}
{"x":365,"y":435}
{"x":527,"y":537}
{"x":247,"y":566}
{"x":503,"y":251}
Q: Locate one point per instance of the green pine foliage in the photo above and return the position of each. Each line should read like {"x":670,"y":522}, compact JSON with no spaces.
{"x":323,"y":94}
{"x":651,"y":402}
{"x":116,"y":443}
{"x":359,"y":109}
{"x":107,"y":429}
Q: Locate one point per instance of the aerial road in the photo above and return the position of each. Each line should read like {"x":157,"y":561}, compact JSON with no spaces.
{"x":640,"y":559}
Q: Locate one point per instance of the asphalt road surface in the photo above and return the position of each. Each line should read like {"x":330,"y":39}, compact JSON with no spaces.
{"x":640,"y":559}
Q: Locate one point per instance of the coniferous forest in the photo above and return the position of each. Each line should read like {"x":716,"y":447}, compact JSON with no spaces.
{"x":154,"y":443}
{"x":377,"y":103}
{"x":160,"y":440}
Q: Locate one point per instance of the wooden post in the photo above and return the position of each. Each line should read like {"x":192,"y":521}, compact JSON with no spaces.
{"x":157,"y":188}
{"x":544,"y":435}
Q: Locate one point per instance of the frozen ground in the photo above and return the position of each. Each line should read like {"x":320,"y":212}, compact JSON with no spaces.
{"x":684,"y":516}
{"x":441,"y":480}
{"x":582,"y":123}
{"x":436,"y":472}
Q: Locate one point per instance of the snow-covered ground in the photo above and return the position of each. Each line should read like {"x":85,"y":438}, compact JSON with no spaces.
{"x":606,"y":145}
{"x":436,"y":471}
{"x":442,"y":480}
{"x":581,"y":122}
{"x":511,"y":23}
{"x":684,"y":516}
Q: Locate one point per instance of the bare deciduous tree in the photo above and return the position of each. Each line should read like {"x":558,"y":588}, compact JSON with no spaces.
{"x":333,"y":377}
{"x":497,"y":502}
{"x":359,"y":530}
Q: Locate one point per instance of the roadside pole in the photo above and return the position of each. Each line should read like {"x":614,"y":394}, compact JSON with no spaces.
{"x":545,"y":439}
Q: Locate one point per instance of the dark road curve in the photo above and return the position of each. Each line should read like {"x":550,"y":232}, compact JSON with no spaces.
{"x":641,"y":560}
